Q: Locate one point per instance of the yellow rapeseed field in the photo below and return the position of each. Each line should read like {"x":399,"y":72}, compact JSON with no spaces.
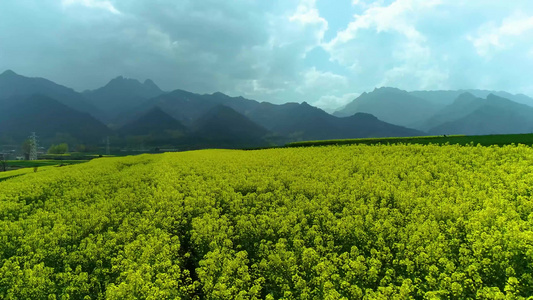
{"x":336,"y":222}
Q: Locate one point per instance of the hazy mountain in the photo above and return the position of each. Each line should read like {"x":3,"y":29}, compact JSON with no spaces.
{"x":223,"y":126}
{"x":272,"y":116}
{"x":494,"y":115}
{"x":12,"y":84}
{"x":392,"y":106}
{"x":48,"y":118}
{"x":222,"y":120}
{"x":154,"y":122}
{"x":291,"y":120}
{"x":187,"y":107}
{"x":122,"y":94}
{"x":366,"y":125}
{"x":463,"y":105}
{"x":306,"y":122}
{"x":447,"y":97}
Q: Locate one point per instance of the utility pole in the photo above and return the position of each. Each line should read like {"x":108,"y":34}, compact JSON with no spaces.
{"x":107,"y":147}
{"x":33,"y":146}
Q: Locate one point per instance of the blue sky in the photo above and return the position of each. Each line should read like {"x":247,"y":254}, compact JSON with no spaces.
{"x":325,"y":52}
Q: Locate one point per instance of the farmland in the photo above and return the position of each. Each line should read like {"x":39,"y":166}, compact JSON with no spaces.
{"x":483,"y":140}
{"x":335,"y":222}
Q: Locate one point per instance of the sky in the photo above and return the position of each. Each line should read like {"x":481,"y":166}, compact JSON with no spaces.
{"x":324,"y":52}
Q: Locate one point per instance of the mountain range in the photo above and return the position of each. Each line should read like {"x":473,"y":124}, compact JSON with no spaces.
{"x":469,"y":112}
{"x":133,"y":113}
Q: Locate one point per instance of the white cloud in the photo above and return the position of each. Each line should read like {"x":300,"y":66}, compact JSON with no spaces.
{"x":396,"y":17}
{"x":348,"y":46}
{"x":254,"y":87}
{"x":383,"y":46}
{"x":307,"y":15}
{"x":491,"y":38}
{"x":332,"y":103}
{"x":268,"y":50}
{"x":314,"y":81}
{"x":103,"y":4}
{"x":417,"y":69}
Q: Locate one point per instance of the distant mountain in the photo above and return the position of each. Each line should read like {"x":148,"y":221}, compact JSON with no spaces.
{"x":154,"y":122}
{"x":447,"y":97}
{"x":48,"y":118}
{"x":366,"y":125}
{"x":494,"y":115}
{"x":464,"y":104}
{"x":122,"y":94}
{"x":306,"y":122}
{"x":276,"y":116}
{"x":391,"y":105}
{"x":12,"y":84}
{"x":187,"y":107}
{"x":293,"y":121}
{"x":223,"y":126}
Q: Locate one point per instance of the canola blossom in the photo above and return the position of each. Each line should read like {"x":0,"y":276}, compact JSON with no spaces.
{"x":335,"y":222}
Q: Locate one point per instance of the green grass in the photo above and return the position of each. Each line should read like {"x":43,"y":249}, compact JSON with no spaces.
{"x":41,"y":163}
{"x":15,"y":173}
{"x":484,"y":140}
{"x":27,"y":166}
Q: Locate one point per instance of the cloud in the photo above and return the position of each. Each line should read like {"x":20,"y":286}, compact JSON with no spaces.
{"x":314,"y":80}
{"x":491,"y":38}
{"x":278,"y":50}
{"x":332,"y":103}
{"x":384,"y":46}
{"x":105,"y":5}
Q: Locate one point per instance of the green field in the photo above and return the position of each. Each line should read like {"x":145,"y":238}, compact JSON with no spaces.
{"x":484,"y":140}
{"x":335,"y":222}
{"x":22,"y":167}
{"x":41,"y":163}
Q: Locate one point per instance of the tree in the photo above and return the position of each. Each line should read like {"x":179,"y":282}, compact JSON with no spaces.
{"x":3,"y":162}
{"x":58,"y":149}
{"x":26,"y":148}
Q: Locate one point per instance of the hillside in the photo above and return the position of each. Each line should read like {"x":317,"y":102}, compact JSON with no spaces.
{"x":153,"y":122}
{"x":367,"y":125}
{"x":48,"y":118}
{"x":122,"y":95}
{"x":187,"y":107}
{"x":494,"y":115}
{"x":463,"y":105}
{"x":12,"y":84}
{"x":222,"y":127}
{"x":289,"y":122}
{"x":391,"y":105}
{"x":353,"y":222}
{"x":447,"y":97}
{"x":305,"y":122}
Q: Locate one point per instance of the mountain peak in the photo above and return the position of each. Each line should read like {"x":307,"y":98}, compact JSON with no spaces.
{"x":465,"y":96}
{"x":154,"y":121}
{"x":364,"y":116}
{"x":122,"y":79}
{"x":8,"y":73}
{"x":149,"y":82}
{"x":219,"y":94}
{"x":386,"y":89}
